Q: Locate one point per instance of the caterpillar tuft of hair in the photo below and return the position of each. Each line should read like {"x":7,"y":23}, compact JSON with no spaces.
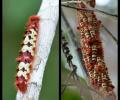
{"x":92,"y":51}
{"x":27,"y":54}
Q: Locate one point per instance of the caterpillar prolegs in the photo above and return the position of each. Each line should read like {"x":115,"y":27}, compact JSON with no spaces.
{"x":27,"y":54}
{"x":92,"y":51}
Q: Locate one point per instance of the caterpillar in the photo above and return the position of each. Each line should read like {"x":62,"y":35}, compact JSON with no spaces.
{"x":92,"y":50}
{"x":27,"y":54}
{"x":67,"y":54}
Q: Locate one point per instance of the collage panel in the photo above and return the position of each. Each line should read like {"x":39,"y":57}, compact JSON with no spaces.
{"x":89,"y":43}
{"x":30,"y":50}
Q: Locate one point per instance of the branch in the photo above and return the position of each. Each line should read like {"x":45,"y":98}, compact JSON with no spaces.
{"x":72,"y":35}
{"x":110,"y":34}
{"x":68,"y":2}
{"x":90,"y":10}
{"x":48,"y":13}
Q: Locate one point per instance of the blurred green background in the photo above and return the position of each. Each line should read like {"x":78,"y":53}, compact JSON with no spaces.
{"x":15,"y":17}
{"x":69,"y":93}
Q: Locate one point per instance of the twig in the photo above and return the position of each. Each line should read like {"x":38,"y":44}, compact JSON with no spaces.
{"x":90,"y":10}
{"x":66,"y":82}
{"x":48,"y":10}
{"x":73,"y":1}
{"x":69,"y":58}
{"x":110,"y":34}
{"x":72,"y":34}
{"x":83,"y":9}
{"x":68,"y":2}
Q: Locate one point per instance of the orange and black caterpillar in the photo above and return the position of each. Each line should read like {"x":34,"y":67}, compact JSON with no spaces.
{"x":92,"y":50}
{"x":27,"y":54}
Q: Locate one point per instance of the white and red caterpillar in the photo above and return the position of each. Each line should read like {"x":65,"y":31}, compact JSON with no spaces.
{"x":92,"y":50}
{"x":27,"y":54}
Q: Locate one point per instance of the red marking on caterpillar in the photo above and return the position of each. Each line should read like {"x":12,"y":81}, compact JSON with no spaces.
{"x":92,"y":50}
{"x":27,"y":54}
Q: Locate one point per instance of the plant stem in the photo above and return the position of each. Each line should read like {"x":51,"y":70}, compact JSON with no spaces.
{"x":90,"y":10}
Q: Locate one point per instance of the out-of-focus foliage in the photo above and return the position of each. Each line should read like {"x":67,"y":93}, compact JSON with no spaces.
{"x":72,"y":92}
{"x":15,"y":16}
{"x":71,"y":95}
{"x":68,"y":94}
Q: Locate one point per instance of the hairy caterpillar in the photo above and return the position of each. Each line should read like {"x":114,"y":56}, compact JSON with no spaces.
{"x":27,"y":54}
{"x":92,"y":50}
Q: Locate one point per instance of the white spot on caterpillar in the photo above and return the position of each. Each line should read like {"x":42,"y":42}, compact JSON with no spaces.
{"x":29,"y":41}
{"x":21,"y":73}
{"x":33,"y":32}
{"x":25,"y":66}
{"x":26,"y":39}
{"x":26,"y":48}
{"x":33,"y":37}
